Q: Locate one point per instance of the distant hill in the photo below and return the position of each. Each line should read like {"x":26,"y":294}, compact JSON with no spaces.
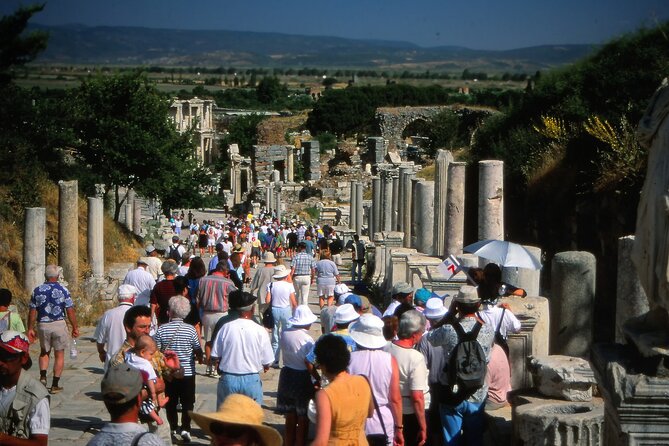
{"x":78,"y":44}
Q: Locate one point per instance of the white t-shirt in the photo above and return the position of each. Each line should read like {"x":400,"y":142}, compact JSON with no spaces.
{"x":281,"y":292}
{"x":390,"y":311}
{"x":295,"y":344}
{"x":227,"y":247}
{"x":110,"y":330}
{"x":413,"y":375}
{"x":40,"y":416}
{"x":141,"y":364}
{"x":243,"y":347}
{"x":491,"y":315}
{"x":143,"y":281}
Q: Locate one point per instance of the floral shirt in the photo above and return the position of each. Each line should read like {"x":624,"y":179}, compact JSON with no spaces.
{"x":50,"y":299}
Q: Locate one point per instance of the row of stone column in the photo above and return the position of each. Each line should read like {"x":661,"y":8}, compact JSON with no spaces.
{"x":34,"y":247}
{"x":431,"y":213}
{"x":356,"y":210}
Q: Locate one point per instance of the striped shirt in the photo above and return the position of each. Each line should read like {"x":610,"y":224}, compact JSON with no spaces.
{"x":212,"y":293}
{"x":181,"y":338}
{"x":302,"y":264}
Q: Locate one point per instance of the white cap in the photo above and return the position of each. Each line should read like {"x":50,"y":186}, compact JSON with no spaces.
{"x":434,"y":308}
{"x":345,"y":313}
{"x":303,"y":316}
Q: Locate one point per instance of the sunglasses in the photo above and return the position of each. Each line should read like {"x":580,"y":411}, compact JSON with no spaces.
{"x":228,"y":430}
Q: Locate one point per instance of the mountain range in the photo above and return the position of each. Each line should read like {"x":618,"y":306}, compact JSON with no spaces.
{"x":105,"y":45}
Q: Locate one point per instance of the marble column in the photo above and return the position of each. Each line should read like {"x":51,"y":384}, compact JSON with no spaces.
{"x":444,"y":158}
{"x":290,"y":164}
{"x":268,"y":198}
{"x":387,"y":201}
{"x":68,"y":232}
{"x":631,"y":299}
{"x":527,"y":279}
{"x":571,"y":303}
{"x":491,"y":200}
{"x":359,"y":210}
{"x":394,"y":202}
{"x":424,"y":216}
{"x":455,"y":209}
{"x":129,"y":200}
{"x":137,"y":216}
{"x":352,"y":205}
{"x":34,"y":247}
{"x":375,"y":215}
{"x":407,"y":198}
{"x":237,"y":191}
{"x":96,"y":256}
{"x":401,"y":205}
{"x":277,"y":201}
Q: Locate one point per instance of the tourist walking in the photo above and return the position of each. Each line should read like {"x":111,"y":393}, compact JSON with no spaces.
{"x":50,"y":303}
{"x":261,"y":279}
{"x":358,"y":258}
{"x":302,"y":272}
{"x":327,"y":276}
{"x":109,"y":333}
{"x":281,"y":296}
{"x":153,"y":262}
{"x":141,"y":279}
{"x":163,"y":291}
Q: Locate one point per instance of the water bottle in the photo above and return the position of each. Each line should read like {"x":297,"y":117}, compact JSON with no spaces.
{"x":73,"y":349}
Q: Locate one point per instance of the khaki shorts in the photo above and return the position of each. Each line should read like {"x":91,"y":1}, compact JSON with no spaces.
{"x":209,"y":323}
{"x":53,"y":335}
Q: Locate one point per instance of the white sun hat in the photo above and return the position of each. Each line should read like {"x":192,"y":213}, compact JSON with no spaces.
{"x":367,"y":331}
{"x":303,"y":316}
{"x":345,"y":313}
{"x":280,"y":272}
{"x":434,"y":308}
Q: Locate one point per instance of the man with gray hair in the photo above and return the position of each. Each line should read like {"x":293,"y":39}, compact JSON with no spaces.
{"x":110,"y":333}
{"x":50,"y":303}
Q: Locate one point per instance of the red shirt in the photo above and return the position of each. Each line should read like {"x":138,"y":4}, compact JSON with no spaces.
{"x":160,"y":295}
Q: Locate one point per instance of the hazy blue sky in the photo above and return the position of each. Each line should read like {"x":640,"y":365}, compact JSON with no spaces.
{"x":480,"y":24}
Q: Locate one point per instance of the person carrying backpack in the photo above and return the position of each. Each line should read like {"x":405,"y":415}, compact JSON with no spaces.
{"x":176,"y":250}
{"x":9,"y":320}
{"x":467,"y":341}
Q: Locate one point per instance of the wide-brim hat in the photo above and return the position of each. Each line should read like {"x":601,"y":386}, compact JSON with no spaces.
{"x":239,"y":410}
{"x":345,"y":313}
{"x":402,"y":288}
{"x":434,"y":308}
{"x":280,"y":272}
{"x":269,"y":257}
{"x":149,"y":249}
{"x":367,"y":331}
{"x":303,"y":316}
{"x":467,"y":295}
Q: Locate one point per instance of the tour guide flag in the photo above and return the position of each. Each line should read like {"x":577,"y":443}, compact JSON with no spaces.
{"x":449,"y":267}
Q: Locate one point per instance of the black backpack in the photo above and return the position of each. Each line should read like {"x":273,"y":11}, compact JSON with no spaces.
{"x":466,"y":368}
{"x":174,"y":253}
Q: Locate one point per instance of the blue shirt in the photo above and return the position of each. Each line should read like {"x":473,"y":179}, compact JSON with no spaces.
{"x":50,"y":299}
{"x":350,"y":343}
{"x":303,"y":264}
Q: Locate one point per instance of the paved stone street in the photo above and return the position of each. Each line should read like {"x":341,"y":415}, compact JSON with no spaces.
{"x":78,"y":412}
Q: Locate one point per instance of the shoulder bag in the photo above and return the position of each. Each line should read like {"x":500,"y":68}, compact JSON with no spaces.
{"x":377,"y":439}
{"x":177,"y":373}
{"x":267,"y":315}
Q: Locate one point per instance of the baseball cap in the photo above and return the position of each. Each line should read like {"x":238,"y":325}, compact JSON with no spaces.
{"x":121,"y":384}
{"x":402,"y":288}
{"x":14,"y":342}
{"x":467,"y":295}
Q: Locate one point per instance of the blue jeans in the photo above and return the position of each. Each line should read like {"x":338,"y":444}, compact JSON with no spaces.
{"x":249,"y":385}
{"x":462,"y":424}
{"x":281,"y":316}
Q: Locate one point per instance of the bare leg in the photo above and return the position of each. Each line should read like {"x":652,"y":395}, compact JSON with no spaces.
{"x":44,"y":360}
{"x":58,"y":362}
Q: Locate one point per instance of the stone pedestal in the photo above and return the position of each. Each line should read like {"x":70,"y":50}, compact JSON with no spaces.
{"x":34,"y":247}
{"x":96,"y":255}
{"x":527,"y":279}
{"x":491,"y":200}
{"x":423,"y":206}
{"x":68,"y":232}
{"x":637,"y":405}
{"x":572,"y":300}
{"x":563,"y":377}
{"x":137,"y":217}
{"x":631,"y":299}
{"x":407,"y":207}
{"x":455,"y":209}
{"x":419,"y":265}
{"x":539,"y":421}
{"x":444,"y":158}
{"x":379,"y":274}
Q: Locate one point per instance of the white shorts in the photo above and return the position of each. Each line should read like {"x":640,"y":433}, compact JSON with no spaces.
{"x":325,"y":289}
{"x":209,"y":320}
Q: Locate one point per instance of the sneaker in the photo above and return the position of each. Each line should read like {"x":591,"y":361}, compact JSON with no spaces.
{"x":55,"y":389}
{"x":42,"y":379}
{"x":175,"y":437}
{"x":185,"y":436}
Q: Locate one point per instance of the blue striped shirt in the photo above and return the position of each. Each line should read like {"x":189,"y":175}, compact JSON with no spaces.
{"x":181,"y":338}
{"x":302,"y":263}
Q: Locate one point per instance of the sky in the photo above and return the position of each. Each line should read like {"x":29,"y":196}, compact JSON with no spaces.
{"x":476,"y":24}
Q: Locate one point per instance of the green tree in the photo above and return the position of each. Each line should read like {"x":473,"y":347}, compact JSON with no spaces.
{"x":244,"y":132}
{"x":17,"y":48}
{"x":270,"y":90}
{"x":126,"y":138}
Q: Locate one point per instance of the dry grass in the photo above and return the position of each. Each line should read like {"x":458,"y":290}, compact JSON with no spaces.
{"x":427,"y":172}
{"x":119,"y":245}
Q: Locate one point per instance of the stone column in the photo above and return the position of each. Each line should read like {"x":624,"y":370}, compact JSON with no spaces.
{"x":375,"y":215}
{"x":394,"y":202}
{"x":631,"y":299}
{"x":137,"y":216}
{"x":129,"y":200}
{"x":424,"y":216}
{"x":387,"y":201}
{"x":268,"y":198}
{"x":455,"y":209}
{"x":444,"y":158}
{"x":34,"y":247}
{"x":68,"y":232}
{"x":290,"y":164}
{"x":527,"y":279}
{"x":491,"y":200}
{"x":237,"y":185}
{"x":407,"y":198}
{"x":96,"y":256}
{"x":277,"y":201}
{"x":359,"y":210}
{"x":571,"y":303}
{"x":352,"y":206}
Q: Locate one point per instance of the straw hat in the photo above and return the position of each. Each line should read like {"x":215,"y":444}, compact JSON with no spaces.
{"x":368,"y":331}
{"x":467,"y":295}
{"x":239,"y":410}
{"x":303,"y":316}
{"x":280,"y":272}
{"x":269,"y":257}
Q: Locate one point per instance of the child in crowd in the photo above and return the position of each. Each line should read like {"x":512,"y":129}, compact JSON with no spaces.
{"x":140,"y":357}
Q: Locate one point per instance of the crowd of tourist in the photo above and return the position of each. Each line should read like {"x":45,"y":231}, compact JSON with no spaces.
{"x":370,"y":377}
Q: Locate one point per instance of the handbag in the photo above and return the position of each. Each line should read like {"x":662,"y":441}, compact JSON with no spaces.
{"x":267,"y":315}
{"x":176,"y":373}
{"x":377,"y":439}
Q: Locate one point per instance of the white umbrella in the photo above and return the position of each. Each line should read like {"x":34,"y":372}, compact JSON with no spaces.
{"x":504,"y":253}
